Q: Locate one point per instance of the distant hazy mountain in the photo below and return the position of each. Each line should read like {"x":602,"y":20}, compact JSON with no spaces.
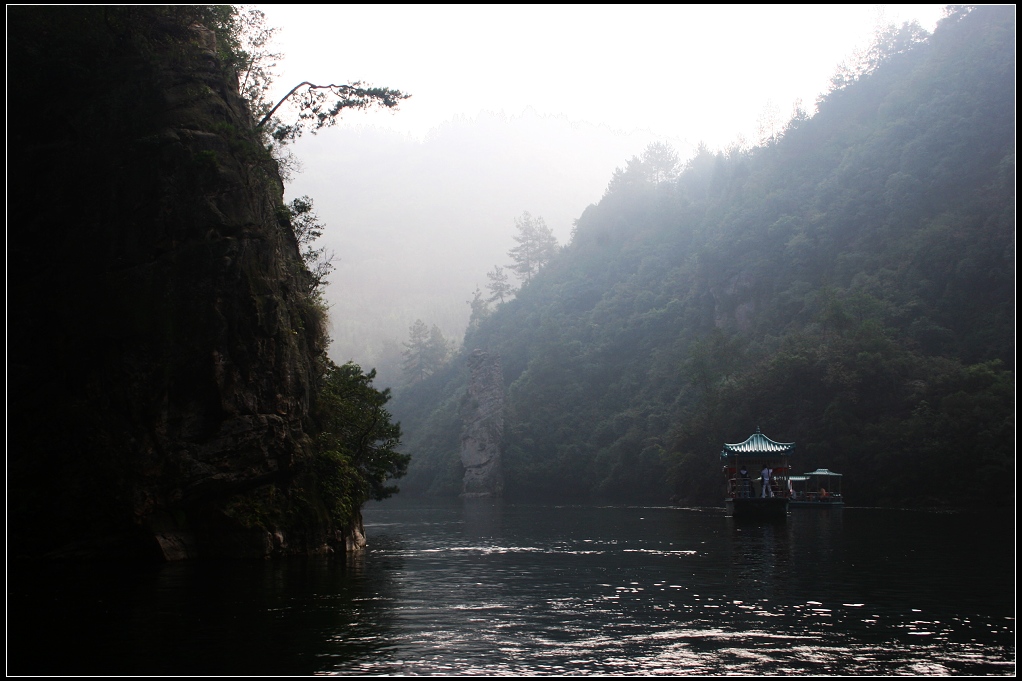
{"x":417,"y":224}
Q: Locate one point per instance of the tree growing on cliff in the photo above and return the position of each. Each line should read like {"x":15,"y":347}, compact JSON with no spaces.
{"x":247,"y":44}
{"x":318,"y":106}
{"x":357,"y":442}
{"x":308,"y":229}
{"x":253,"y":57}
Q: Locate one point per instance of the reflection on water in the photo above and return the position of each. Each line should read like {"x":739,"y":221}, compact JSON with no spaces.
{"x":483,"y":586}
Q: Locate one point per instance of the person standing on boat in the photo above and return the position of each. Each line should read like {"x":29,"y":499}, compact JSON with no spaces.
{"x":765,"y":475}
{"x":744,"y":483}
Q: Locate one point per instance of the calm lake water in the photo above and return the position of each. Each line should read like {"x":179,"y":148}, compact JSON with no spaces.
{"x":484,"y":587}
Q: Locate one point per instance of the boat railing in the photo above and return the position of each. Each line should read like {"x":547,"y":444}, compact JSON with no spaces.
{"x":743,"y":488}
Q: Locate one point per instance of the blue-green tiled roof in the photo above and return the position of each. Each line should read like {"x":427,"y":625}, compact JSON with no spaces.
{"x":758,"y":443}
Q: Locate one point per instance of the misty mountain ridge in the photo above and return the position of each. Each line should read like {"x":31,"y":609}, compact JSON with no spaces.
{"x":848,"y":286}
{"x":461,"y":188}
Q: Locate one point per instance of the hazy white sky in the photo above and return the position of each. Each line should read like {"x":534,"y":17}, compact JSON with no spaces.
{"x":685,"y":72}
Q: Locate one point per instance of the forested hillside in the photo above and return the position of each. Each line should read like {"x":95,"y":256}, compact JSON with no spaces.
{"x":848,"y":287}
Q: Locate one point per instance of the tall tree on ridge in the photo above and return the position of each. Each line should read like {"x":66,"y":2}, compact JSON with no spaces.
{"x":537,"y":245}
{"x":480,"y":308}
{"x":660,"y":161}
{"x":416,"y":352}
{"x":426,"y":351}
{"x":499,"y":285}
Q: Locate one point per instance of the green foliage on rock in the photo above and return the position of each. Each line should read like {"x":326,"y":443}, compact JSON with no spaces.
{"x":354,"y":424}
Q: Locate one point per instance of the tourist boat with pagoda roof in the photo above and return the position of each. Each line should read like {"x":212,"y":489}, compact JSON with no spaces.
{"x":819,"y":489}
{"x":749,"y":494}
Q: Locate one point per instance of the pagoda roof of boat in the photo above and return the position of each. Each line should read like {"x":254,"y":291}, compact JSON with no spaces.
{"x":757,"y":444}
{"x":824,"y":471}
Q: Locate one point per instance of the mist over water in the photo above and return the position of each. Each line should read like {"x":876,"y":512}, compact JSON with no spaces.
{"x":487,"y":587}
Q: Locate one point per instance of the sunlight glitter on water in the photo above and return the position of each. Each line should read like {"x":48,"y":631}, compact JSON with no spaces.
{"x":515,"y":596}
{"x":537,"y":591}
{"x":656,"y":625}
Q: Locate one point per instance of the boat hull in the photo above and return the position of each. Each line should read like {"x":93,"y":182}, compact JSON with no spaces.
{"x":771,"y":508}
{"x":816,"y":504}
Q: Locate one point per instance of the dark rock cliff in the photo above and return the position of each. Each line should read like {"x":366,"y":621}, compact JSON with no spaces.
{"x":162,"y":344}
{"x":483,"y":418}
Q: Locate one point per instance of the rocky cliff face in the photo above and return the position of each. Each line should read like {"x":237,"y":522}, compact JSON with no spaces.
{"x":162,"y":342}
{"x":483,"y":417}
